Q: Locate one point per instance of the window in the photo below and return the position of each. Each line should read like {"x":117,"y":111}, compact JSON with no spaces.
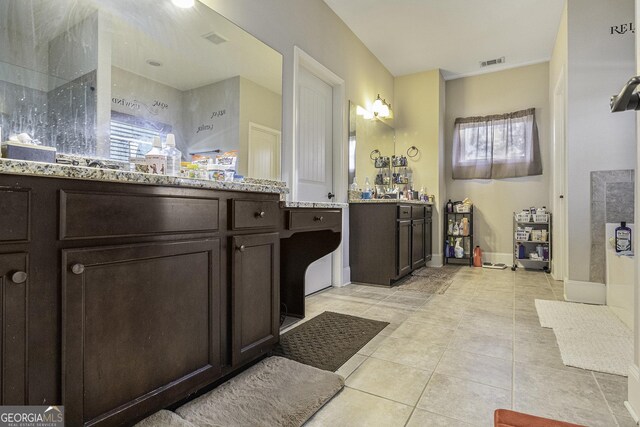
{"x":131,"y":136}
{"x":499,"y":146}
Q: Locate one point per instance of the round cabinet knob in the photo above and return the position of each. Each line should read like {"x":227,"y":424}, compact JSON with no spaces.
{"x":260,"y":214}
{"x":242,"y":248}
{"x":77,"y":268}
{"x":318,"y":218}
{"x":19,"y":277}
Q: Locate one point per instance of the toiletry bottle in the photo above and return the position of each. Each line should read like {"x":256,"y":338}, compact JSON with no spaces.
{"x":623,"y":237}
{"x":477,"y":257}
{"x":450,"y":227}
{"x":450,"y":206}
{"x":174,"y":156}
{"x":366,"y":193}
{"x":458,"y":250}
{"x":521,"y":251}
{"x":446,"y":248}
{"x":354,"y":185}
{"x":156,"y":160}
{"x":456,"y":229}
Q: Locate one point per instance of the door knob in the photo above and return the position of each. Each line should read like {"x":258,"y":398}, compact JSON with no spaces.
{"x":19,"y":277}
{"x":77,"y":268}
{"x":562,"y":196}
{"x":318,"y":218}
{"x":260,"y":214}
{"x":331,"y":195}
{"x":241,"y":248}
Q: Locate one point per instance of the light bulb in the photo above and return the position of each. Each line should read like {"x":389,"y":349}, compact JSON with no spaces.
{"x":376,"y":108}
{"x":184,"y":4}
{"x":384,"y":112}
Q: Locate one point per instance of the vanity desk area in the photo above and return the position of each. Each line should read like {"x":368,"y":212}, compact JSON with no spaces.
{"x":125,"y":292}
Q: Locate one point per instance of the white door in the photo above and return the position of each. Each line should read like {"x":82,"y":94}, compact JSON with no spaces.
{"x":559,"y":236}
{"x":314,"y":161}
{"x":264,"y":152}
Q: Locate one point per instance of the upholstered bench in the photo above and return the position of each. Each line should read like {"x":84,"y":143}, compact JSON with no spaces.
{"x":507,"y":418}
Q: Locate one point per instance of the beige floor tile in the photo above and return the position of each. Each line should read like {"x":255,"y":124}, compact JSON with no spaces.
{"x":373,"y":345}
{"x":443,"y":318}
{"x":615,"y":392}
{"x":351,"y":365}
{"x":482,"y":344}
{"x":523,"y":402}
{"x":394,"y":316}
{"x":392,"y":381}
{"x":463,"y":400}
{"x":353,"y":408}
{"x":417,"y":354}
{"x":403,"y":302}
{"x":421,"y":418}
{"x":625,"y":421}
{"x":475,"y":367}
{"x":558,"y":388}
{"x":431,"y":334}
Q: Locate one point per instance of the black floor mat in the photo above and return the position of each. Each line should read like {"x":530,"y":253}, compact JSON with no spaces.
{"x":328,"y":340}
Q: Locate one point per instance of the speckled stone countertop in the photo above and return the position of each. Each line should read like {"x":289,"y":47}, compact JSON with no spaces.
{"x":323,"y":205}
{"x":53,"y":170}
{"x":372,"y":201}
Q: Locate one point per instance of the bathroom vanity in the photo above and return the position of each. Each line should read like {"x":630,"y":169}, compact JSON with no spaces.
{"x":388,"y":239}
{"x":123,"y":293}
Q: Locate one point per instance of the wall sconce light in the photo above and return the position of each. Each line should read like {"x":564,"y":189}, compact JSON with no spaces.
{"x":366,"y":114}
{"x":381,"y":108}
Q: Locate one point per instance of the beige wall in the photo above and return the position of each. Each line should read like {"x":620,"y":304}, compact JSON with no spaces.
{"x":418,"y":122}
{"x":496,"y":200}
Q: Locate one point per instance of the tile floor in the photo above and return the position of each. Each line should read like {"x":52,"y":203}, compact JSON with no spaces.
{"x":450,"y":360}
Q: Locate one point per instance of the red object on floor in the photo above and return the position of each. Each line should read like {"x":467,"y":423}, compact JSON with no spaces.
{"x":507,"y":418}
{"x":477,"y":257}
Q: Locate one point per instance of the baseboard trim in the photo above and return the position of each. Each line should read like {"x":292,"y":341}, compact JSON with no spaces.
{"x":346,"y":276}
{"x":585,"y":292}
{"x":498,"y":257}
{"x":633,"y":393}
{"x":436,"y":261}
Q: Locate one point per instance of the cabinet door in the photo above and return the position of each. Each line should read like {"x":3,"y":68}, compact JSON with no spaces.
{"x":428,"y":243}
{"x":417,"y":243}
{"x":255,"y":292}
{"x":13,"y":326}
{"x":404,"y":247}
{"x":141,"y":327}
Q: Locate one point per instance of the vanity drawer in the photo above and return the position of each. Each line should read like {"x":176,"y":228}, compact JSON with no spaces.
{"x":404,"y":211}
{"x":314,"y":219}
{"x":15,"y":210}
{"x":428,"y":211}
{"x":247,"y":214}
{"x":417,"y":211}
{"x":90,"y":215}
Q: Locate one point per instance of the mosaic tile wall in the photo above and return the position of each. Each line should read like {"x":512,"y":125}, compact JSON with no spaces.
{"x":612,"y":200}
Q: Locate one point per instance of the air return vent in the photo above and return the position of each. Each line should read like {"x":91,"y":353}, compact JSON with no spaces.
{"x":490,"y":62}
{"x":215,"y":38}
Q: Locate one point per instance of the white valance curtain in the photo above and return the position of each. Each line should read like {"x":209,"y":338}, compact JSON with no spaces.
{"x":498,"y":146}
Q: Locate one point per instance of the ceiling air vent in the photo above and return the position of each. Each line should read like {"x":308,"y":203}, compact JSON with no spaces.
{"x":492,"y":62}
{"x":215,"y":38}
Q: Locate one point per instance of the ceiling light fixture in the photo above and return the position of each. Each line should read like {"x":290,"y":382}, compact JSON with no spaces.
{"x":184,"y":4}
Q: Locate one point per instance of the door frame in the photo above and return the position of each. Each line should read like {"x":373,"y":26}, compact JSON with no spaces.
{"x":301,"y":59}
{"x":559,"y":183}
{"x":252,"y":128}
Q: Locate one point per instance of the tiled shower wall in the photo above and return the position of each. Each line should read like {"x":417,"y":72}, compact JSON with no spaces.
{"x":612,"y":200}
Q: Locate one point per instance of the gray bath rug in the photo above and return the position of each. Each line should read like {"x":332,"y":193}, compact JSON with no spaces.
{"x":589,"y":336}
{"x":164,"y":418}
{"x":328,"y":340}
{"x":274,"y":392}
{"x":431,"y":280}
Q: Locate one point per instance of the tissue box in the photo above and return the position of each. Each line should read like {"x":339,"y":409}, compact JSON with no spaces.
{"x":35,"y":153}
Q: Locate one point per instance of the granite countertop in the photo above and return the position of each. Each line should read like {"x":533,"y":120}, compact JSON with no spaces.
{"x":410,"y":202}
{"x":323,"y":205}
{"x":54,"y":170}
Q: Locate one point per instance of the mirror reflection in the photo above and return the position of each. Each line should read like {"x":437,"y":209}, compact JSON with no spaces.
{"x":373,"y":157}
{"x":103,"y":78}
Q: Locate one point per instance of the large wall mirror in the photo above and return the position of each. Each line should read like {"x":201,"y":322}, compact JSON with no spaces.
{"x":368,"y":139}
{"x":102,"y":78}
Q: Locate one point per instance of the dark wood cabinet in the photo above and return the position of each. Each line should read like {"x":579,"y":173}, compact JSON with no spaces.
{"x":255,"y":289}
{"x":120,"y":299}
{"x":126,"y":311}
{"x":387,"y":241}
{"x":403,"y":256}
{"x":14,"y":284}
{"x":417,"y":243}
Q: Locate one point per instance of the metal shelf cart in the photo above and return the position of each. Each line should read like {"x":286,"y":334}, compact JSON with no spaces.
{"x":467,"y":240}
{"x":533,"y":232}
